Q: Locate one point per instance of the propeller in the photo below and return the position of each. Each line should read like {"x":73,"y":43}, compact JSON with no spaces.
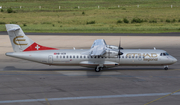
{"x":119,"y":50}
{"x":109,"y":54}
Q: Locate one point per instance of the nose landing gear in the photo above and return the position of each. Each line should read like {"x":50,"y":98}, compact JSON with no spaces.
{"x":166,"y":67}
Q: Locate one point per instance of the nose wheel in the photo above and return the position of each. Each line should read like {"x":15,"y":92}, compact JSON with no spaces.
{"x":166,"y":67}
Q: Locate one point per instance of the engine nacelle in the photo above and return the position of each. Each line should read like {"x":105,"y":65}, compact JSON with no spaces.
{"x":111,"y":54}
{"x":112,"y":47}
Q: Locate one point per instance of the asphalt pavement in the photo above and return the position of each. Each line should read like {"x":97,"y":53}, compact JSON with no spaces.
{"x":28,"y":83}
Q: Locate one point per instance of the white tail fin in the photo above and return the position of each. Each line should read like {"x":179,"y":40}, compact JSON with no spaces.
{"x":20,"y":42}
{"x":18,"y":39}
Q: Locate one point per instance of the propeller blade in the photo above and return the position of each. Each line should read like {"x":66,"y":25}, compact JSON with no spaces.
{"x":119,"y":49}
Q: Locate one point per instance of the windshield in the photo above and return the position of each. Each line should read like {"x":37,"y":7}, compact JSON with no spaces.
{"x":164,"y":54}
{"x":167,"y":53}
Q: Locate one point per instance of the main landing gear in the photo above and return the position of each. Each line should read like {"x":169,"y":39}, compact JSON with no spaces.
{"x":98,"y":69}
{"x":166,"y":67}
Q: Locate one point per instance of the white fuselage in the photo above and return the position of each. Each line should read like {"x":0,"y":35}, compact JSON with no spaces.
{"x":70,"y":57}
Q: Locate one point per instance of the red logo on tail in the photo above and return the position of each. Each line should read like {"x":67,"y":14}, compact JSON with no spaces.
{"x":37,"y":47}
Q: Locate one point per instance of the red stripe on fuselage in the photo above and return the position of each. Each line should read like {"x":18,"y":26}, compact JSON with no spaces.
{"x":37,"y":47}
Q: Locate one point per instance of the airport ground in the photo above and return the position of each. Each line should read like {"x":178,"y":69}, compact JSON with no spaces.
{"x":24,"y":82}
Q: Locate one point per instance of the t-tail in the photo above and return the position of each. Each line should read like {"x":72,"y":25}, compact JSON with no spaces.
{"x":20,"y":42}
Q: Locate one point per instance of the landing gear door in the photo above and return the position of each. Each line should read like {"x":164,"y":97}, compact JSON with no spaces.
{"x":50,"y":59}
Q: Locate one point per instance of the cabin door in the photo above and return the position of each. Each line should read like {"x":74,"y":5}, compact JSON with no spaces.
{"x":50,"y":59}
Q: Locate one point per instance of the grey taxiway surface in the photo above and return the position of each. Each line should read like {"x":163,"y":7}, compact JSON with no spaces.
{"x":26,"y":83}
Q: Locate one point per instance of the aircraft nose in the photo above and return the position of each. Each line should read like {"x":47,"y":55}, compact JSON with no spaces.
{"x":174,"y":60}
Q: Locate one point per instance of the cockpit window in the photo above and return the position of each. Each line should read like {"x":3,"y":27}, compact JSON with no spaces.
{"x":164,"y":54}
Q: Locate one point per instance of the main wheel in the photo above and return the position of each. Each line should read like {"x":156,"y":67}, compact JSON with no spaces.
{"x":166,"y":68}
{"x":97,"y":69}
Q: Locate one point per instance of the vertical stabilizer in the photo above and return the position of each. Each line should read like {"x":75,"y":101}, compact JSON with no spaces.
{"x":20,"y":42}
{"x":18,"y":39}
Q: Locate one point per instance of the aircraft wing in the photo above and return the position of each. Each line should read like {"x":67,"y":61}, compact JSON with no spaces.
{"x":98,"y":48}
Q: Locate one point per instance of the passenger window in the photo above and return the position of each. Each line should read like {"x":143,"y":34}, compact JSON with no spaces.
{"x":129,"y":56}
{"x":136,"y":56}
{"x":161,"y":54}
{"x":122,"y":56}
{"x":70,"y":56}
{"x":80,"y":56}
{"x":91,"y":57}
{"x":132,"y":56}
{"x":60,"y":56}
{"x":56,"y":56}
{"x":73,"y":56}
{"x":143,"y":57}
{"x":95,"y":57}
{"x":63,"y":56}
{"x":126,"y":57}
{"x":84,"y":56}
{"x":139,"y":56}
{"x":66,"y":56}
{"x":77,"y":56}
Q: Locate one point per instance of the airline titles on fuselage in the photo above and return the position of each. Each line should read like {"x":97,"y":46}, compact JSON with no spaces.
{"x":146,"y":56}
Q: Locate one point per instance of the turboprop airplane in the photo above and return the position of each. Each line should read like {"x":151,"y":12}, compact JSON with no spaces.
{"x":99,"y":56}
